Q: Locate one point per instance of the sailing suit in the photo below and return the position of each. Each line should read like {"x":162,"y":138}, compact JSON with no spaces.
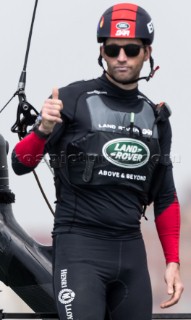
{"x":109,"y":154}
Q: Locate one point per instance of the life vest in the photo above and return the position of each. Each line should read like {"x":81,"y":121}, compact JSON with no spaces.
{"x":121,"y":149}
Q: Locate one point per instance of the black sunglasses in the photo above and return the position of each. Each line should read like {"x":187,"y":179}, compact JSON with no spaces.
{"x":131,"y":50}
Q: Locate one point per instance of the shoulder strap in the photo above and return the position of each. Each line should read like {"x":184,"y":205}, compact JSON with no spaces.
{"x":162,"y":110}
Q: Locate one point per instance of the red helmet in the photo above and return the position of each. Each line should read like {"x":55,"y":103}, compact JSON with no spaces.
{"x":125,"y":20}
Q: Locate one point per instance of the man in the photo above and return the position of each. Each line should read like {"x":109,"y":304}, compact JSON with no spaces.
{"x":109,"y":146}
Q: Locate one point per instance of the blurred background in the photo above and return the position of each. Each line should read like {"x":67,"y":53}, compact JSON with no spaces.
{"x":63,"y":50}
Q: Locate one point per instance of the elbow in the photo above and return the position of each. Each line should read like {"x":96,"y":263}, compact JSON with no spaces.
{"x":19,"y":168}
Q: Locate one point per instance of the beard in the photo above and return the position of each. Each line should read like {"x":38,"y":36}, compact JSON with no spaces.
{"x":128,"y":79}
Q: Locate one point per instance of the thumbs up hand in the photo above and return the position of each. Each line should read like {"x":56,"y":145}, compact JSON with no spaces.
{"x":51,"y":112}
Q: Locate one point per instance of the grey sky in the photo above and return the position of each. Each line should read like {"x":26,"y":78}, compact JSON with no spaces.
{"x":64,"y":50}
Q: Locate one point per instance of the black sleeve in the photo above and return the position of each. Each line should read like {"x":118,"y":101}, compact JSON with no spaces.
{"x":166,"y":193}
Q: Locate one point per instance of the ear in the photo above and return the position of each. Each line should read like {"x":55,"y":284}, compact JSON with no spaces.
{"x":148,"y":51}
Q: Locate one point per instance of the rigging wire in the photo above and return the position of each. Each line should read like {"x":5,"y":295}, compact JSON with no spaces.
{"x":22,"y":80}
{"x":25,"y":109}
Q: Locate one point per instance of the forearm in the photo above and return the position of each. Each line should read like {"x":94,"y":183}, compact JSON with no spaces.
{"x":168,"y":228}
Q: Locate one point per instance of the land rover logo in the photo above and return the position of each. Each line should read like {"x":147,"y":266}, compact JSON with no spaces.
{"x":122,"y":25}
{"x":126,"y":152}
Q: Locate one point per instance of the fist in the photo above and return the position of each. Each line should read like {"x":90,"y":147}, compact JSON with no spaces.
{"x":51,"y":112}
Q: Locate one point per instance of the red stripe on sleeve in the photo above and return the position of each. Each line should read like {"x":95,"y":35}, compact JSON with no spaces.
{"x":168,"y":228}
{"x":30,"y":150}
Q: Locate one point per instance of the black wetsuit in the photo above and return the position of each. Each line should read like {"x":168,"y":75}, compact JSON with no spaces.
{"x":99,"y":262}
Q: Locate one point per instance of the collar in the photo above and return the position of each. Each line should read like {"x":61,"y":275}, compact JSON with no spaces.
{"x":115,"y":91}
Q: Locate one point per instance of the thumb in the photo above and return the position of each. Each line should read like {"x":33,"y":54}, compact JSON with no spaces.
{"x":55,"y":93}
{"x":170,"y":288}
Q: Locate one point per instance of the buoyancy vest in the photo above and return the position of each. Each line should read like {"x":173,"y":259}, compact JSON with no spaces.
{"x":121,"y":149}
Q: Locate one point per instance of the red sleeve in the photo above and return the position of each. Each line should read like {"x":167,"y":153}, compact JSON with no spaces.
{"x":30,"y":150}
{"x":168,"y":228}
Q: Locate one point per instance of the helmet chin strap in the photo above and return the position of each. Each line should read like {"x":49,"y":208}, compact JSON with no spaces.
{"x":151,"y":74}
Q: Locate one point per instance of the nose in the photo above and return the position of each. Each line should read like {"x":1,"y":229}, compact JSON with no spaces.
{"x":122,"y":56}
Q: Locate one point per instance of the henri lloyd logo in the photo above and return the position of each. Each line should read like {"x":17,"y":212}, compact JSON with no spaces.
{"x":126,"y":153}
{"x":66,"y":296}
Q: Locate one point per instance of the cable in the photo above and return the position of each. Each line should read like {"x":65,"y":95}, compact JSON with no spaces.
{"x":22,"y":80}
{"x":25,"y":109}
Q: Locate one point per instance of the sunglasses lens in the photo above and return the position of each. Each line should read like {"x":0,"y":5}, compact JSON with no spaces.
{"x":112,"y":50}
{"x":131,"y":50}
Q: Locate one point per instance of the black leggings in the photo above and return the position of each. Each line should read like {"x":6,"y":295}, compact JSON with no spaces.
{"x":97,"y":279}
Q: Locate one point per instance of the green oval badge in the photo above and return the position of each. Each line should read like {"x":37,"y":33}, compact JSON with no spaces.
{"x":122,"y":25}
{"x":126,"y":153}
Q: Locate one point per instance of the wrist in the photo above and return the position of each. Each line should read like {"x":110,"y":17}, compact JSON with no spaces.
{"x":41,"y":134}
{"x":44,"y":130}
{"x":39,"y":126}
{"x":173,"y":264}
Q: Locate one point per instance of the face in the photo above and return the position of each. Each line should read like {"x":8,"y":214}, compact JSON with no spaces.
{"x":124,"y":68}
